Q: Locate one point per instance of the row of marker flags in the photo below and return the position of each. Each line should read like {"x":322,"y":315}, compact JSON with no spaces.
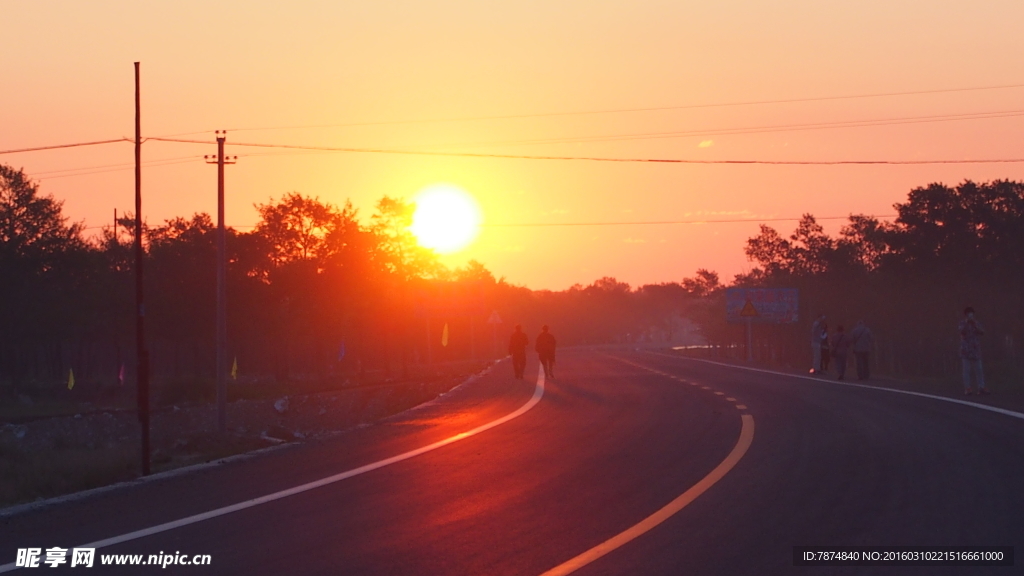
{"x":234,"y":366}
{"x":120,"y":374}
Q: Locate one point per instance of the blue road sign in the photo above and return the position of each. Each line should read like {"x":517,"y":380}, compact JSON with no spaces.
{"x":761,"y":305}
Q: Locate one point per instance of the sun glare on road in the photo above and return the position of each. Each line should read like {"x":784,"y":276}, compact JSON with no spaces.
{"x":447,"y":218}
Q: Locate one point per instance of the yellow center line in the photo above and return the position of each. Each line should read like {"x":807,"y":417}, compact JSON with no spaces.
{"x":681,"y":501}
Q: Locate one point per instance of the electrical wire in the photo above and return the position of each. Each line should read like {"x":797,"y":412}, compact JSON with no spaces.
{"x":86,"y":170}
{"x":664,"y":222}
{"x":58,"y":146}
{"x":754,"y":129}
{"x":624,"y":223}
{"x":603,"y":159}
{"x":616,"y":110}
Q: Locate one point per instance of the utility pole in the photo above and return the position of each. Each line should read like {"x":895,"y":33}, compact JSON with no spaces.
{"x":142,"y":354}
{"x":222,"y":317}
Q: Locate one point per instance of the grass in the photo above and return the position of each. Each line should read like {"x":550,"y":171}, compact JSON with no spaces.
{"x":67,"y":467}
{"x":25,"y":477}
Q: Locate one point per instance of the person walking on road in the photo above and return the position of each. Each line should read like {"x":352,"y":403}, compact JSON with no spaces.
{"x":546,"y":350}
{"x":816,"y":344}
{"x":517,"y":348}
{"x":840,"y":348}
{"x":970,"y":352}
{"x":862,"y":339}
{"x":826,"y":351}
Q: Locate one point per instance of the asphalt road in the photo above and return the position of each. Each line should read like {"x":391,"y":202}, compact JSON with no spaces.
{"x":613,"y":439}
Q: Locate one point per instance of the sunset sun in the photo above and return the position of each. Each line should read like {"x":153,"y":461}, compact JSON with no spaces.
{"x":447,"y":218}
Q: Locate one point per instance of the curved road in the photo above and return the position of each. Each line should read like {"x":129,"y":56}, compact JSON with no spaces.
{"x":614,"y":439}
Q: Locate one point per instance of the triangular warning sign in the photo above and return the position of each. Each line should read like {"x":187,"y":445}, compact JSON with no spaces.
{"x":494,"y":318}
{"x":748,"y":310}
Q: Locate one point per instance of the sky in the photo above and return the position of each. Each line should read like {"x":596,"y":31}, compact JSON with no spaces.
{"x":639,"y":79}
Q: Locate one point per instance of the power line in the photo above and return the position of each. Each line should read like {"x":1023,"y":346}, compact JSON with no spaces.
{"x":603,"y":159}
{"x":623,"y":223}
{"x":57,"y":146}
{"x":664,"y":222}
{"x":756,"y":129}
{"x":87,"y":170}
{"x":618,"y":110}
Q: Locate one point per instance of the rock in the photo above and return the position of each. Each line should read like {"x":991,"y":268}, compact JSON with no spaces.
{"x":20,"y":432}
{"x":323,"y":411}
{"x":281,"y":406}
{"x":270,"y":438}
{"x":78,"y":416}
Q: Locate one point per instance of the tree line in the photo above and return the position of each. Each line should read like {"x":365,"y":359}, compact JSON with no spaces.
{"x":910,"y":279}
{"x":316,"y":292}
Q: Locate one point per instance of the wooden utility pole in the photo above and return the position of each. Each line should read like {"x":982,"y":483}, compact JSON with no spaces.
{"x":222,"y":321}
{"x":142,"y":354}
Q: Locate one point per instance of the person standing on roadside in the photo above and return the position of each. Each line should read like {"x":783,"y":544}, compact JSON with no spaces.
{"x":826,"y":351}
{"x":862,"y":340}
{"x":816,"y":344}
{"x":546,"y":350}
{"x":970,"y":352}
{"x":517,"y":348}
{"x":840,"y":348}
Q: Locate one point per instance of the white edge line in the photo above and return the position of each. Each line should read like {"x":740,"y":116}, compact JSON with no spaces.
{"x":538,"y":393}
{"x":1002,"y":411}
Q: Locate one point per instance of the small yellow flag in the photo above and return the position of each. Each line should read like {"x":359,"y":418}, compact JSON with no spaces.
{"x":234,"y":369}
{"x":444,"y":335}
{"x":71,"y":379}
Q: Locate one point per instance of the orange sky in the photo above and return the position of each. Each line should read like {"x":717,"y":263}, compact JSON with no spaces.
{"x":67,"y":70}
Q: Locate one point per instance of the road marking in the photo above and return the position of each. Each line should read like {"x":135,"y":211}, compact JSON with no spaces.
{"x":1002,"y":411}
{"x":741,"y":407}
{"x":681,"y":501}
{"x":731,"y":399}
{"x":720,"y":393}
{"x":538,"y":392}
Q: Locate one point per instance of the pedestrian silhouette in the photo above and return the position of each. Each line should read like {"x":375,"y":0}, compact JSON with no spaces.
{"x":970,"y":351}
{"x":826,"y":351}
{"x":862,"y":339}
{"x":840,"y":348}
{"x":517,"y":348}
{"x":546,"y":350}
{"x":816,"y":363}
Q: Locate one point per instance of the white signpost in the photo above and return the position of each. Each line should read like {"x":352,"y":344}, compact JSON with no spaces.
{"x":494,"y":320}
